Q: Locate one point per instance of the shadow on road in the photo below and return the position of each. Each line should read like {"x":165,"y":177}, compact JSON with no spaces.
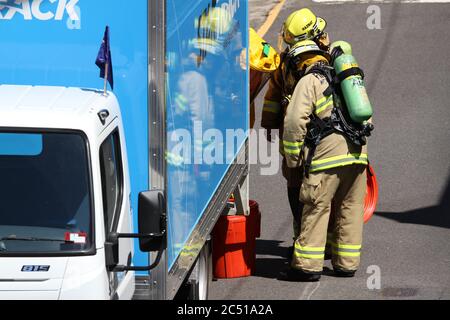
{"x":271,"y":248}
{"x":437,"y":216}
{"x":270,"y":267}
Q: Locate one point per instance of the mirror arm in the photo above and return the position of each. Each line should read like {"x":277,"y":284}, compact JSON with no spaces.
{"x":113,"y":235}
{"x":121,"y":268}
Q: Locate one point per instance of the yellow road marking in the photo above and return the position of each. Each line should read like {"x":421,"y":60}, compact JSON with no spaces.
{"x":273,"y":14}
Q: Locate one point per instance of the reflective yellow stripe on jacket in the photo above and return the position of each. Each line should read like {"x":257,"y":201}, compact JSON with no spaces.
{"x":293,"y":148}
{"x":323,"y":104}
{"x":272,"y":106}
{"x":339,"y":161}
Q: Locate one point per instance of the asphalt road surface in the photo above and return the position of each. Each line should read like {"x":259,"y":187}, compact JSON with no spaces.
{"x":407,"y":66}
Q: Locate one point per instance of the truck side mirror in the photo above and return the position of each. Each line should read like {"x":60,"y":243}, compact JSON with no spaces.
{"x":151,"y":220}
{"x":152,"y":232}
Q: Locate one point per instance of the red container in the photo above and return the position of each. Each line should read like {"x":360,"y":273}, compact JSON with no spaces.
{"x":234,"y":242}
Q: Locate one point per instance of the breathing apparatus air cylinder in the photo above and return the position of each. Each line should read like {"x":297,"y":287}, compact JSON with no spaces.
{"x":353,"y":88}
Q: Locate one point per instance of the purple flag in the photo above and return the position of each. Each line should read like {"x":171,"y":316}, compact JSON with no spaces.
{"x":104,"y":59}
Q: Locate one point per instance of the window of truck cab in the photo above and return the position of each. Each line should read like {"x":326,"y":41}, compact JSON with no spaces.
{"x":46,"y":205}
{"x":111,"y":171}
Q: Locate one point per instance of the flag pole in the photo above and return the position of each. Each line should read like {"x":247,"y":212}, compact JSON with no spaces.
{"x":105,"y":89}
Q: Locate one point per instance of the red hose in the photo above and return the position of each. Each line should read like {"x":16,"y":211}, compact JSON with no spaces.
{"x":371,"y":199}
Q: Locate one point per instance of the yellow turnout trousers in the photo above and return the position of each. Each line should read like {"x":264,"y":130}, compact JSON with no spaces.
{"x":346,"y":186}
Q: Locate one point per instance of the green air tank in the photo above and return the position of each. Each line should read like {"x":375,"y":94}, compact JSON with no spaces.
{"x":353,"y":89}
{"x":345,"y":46}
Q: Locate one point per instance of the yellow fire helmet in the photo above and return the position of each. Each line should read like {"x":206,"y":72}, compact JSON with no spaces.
{"x":262,"y":56}
{"x":301,"y":25}
{"x":307,"y":47}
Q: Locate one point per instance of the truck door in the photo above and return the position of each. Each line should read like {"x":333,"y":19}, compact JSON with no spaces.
{"x":116,"y":209}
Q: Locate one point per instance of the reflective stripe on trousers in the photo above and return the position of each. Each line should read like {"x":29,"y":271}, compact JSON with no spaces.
{"x":309,"y":252}
{"x":346,"y":250}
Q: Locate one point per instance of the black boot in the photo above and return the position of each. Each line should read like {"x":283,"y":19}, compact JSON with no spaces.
{"x":299,"y":275}
{"x":344,"y":273}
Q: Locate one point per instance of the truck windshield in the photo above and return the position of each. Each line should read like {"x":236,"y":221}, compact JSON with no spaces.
{"x":45,"y":205}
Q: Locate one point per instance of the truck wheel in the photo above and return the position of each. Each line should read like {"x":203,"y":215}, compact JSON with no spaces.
{"x":202,"y":274}
{"x":206,"y":271}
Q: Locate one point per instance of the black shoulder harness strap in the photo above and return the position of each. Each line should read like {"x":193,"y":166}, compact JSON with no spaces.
{"x":328,"y":73}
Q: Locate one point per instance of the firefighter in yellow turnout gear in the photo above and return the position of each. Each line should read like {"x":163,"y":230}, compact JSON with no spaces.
{"x":300,"y":25}
{"x":336,"y":174}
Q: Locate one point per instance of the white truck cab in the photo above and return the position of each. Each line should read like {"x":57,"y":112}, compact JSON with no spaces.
{"x":65,"y":187}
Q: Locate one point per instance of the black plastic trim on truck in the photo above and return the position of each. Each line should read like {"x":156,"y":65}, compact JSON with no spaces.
{"x":118,"y":146}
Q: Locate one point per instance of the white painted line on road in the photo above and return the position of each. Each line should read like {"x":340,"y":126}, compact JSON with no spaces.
{"x":313,"y":291}
{"x":380,"y":1}
{"x":305,"y":291}
{"x":309,"y":291}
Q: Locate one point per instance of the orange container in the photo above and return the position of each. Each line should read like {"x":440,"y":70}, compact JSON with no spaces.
{"x":234,"y":242}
